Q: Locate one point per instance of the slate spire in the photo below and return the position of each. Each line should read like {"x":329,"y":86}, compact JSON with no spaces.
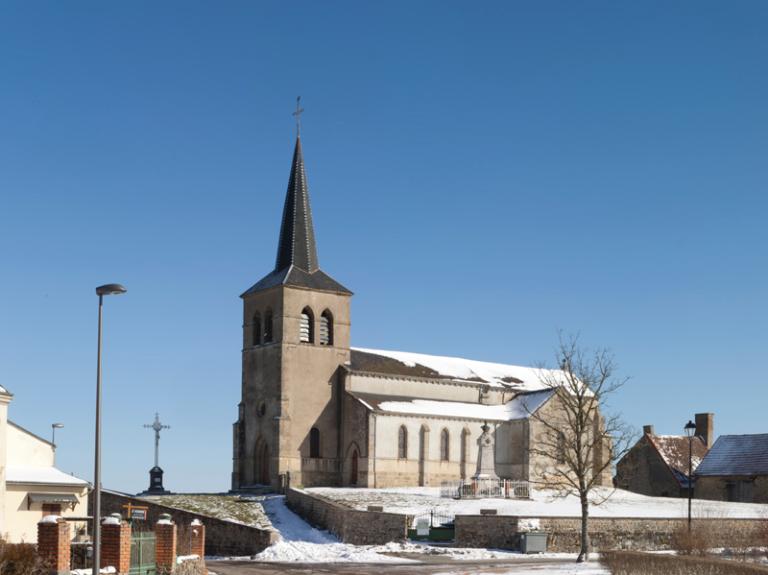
{"x":297,"y":236}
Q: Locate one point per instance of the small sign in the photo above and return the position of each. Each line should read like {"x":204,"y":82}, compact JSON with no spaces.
{"x":422,"y":526}
{"x":135,"y":512}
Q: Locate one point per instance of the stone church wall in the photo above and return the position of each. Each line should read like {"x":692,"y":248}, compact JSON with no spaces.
{"x":350,"y":525}
{"x":391,"y":471}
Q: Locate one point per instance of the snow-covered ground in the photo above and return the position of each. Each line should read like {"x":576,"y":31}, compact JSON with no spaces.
{"x":302,"y":543}
{"x":419,"y":500}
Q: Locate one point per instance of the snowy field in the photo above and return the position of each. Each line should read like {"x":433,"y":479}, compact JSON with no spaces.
{"x":420,"y":500}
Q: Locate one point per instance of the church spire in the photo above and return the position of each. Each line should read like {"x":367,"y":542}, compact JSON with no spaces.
{"x":296,"y":263}
{"x":297,"y":236}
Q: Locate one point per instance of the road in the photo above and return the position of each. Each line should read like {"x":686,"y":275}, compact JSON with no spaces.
{"x":532,"y":566}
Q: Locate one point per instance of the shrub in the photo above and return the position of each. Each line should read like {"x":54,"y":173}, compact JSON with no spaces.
{"x":19,"y":559}
{"x":635,"y":563}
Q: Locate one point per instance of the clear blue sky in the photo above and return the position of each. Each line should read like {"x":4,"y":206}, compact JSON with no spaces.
{"x":482,"y":175}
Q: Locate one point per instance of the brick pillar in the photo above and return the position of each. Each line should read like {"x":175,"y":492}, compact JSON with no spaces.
{"x":165,"y":544}
{"x":53,"y":544}
{"x":197,"y":541}
{"x":116,"y":544}
{"x":197,"y":538}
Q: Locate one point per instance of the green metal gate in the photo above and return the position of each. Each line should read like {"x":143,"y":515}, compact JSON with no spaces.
{"x":143,"y":553}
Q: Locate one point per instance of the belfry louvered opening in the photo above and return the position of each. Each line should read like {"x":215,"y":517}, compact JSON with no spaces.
{"x":307,"y":326}
{"x":326,"y":328}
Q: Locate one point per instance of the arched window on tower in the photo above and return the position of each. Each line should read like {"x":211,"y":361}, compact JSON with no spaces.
{"x":307,"y":326}
{"x":326,"y":328}
{"x":444,"y":445}
{"x":314,"y":442}
{"x":268,"y":335}
{"x":402,"y":443}
{"x":256,"y":329}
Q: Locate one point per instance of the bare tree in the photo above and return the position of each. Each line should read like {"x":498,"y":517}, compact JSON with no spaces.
{"x":577,"y":444}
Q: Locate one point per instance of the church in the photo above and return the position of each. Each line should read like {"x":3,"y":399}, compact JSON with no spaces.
{"x":316,"y":411}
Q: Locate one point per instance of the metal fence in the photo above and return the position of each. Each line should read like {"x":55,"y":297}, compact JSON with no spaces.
{"x":436,"y":518}
{"x":482,"y":488}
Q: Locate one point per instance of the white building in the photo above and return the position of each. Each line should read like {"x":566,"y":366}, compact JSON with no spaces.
{"x":32,"y":486}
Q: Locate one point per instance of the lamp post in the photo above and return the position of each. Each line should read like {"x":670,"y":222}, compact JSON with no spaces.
{"x":690,"y":429}
{"x":101,"y":291}
{"x":54,"y":427}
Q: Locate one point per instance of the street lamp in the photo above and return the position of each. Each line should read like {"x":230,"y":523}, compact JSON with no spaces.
{"x":690,"y":429}
{"x":101,"y":291}
{"x":54,"y":427}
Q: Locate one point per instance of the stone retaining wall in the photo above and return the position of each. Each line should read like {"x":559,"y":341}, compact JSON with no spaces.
{"x":501,"y":531}
{"x":221,"y":537}
{"x":350,"y":525}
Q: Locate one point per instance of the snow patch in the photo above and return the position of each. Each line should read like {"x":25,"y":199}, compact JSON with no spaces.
{"x":519,"y":408}
{"x":50,"y":519}
{"x":300,"y":542}
{"x":495,"y":374}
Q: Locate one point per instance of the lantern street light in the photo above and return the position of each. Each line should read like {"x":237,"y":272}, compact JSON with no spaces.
{"x":101,"y":291}
{"x":690,"y":429}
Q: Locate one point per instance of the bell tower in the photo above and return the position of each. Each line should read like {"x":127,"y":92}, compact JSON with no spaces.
{"x":296,"y":324}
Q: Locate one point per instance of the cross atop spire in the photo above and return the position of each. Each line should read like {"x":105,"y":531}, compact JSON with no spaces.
{"x":297,"y":115}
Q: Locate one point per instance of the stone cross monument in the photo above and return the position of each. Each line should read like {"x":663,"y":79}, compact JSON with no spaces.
{"x":486,"y":455}
{"x":156,"y":473}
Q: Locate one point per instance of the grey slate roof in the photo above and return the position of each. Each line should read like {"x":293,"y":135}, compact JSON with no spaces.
{"x":736,"y":455}
{"x":296,"y":263}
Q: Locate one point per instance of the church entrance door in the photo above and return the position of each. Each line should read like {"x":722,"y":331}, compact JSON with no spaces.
{"x":353,"y":469}
{"x":261,"y":471}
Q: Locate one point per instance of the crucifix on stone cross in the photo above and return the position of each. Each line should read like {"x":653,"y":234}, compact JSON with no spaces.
{"x":157,"y":427}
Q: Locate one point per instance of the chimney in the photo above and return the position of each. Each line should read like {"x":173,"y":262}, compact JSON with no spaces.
{"x":705,"y":427}
{"x":648,"y":429}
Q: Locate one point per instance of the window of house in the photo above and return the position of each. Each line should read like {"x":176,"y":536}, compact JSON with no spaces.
{"x":402,"y":443}
{"x":314,"y":442}
{"x":326,"y":328}
{"x":268,"y":335}
{"x":256,"y":329}
{"x":307,"y":326}
{"x":561,"y":447}
{"x":444,"y":445}
{"x":51,"y":509}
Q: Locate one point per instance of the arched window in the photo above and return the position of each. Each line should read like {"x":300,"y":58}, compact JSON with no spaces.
{"x":444,"y":445}
{"x":402,"y":443}
{"x":268,"y":335}
{"x":256,"y":329}
{"x":307,"y":326}
{"x":326,"y":328}
{"x":314,"y":442}
{"x":561,"y":447}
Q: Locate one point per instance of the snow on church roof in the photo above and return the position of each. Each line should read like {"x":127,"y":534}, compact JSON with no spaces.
{"x":435,"y":366}
{"x":518,"y":408}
